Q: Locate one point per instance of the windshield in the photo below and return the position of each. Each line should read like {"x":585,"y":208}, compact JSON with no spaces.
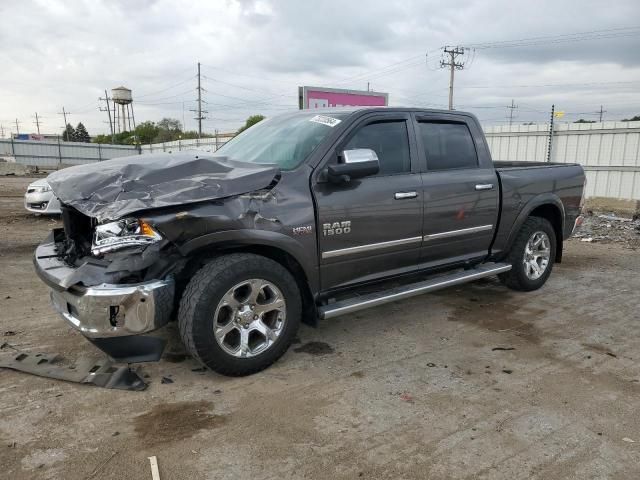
{"x":284,"y":140}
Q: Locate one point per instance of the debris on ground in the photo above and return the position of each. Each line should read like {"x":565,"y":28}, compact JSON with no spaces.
{"x":155,"y":474}
{"x":502,"y":349}
{"x":610,"y":228}
{"x":628,"y":440}
{"x":166,"y":380}
{"x":98,"y":372}
{"x":406,"y":397}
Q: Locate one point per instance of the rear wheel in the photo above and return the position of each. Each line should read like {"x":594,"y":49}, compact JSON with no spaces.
{"x":239,"y":313}
{"x":532,"y":255}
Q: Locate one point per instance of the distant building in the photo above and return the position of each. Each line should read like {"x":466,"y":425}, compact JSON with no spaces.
{"x":34,"y":136}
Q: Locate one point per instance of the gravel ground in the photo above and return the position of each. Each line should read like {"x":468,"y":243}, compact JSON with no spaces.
{"x":473,"y":382}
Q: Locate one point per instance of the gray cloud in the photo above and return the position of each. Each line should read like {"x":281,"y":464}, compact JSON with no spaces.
{"x":57,"y":53}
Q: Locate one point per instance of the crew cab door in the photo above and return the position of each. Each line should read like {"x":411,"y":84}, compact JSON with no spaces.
{"x":373,"y":225}
{"x":461,"y":191}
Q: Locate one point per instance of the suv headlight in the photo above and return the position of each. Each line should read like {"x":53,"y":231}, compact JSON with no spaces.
{"x":128,"y":232}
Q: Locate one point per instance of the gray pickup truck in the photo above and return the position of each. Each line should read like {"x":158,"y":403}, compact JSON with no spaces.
{"x":304,"y":216}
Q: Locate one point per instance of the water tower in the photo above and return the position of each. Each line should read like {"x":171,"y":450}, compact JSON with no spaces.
{"x":122,"y":109}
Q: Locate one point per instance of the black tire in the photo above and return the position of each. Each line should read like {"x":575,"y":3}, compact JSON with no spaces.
{"x":517,"y":278}
{"x":205,"y":291}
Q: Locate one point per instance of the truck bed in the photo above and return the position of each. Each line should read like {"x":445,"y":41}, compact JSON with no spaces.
{"x":509,"y":165}
{"x":525,"y":184}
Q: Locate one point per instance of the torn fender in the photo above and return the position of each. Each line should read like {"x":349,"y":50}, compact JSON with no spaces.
{"x":115,"y":188}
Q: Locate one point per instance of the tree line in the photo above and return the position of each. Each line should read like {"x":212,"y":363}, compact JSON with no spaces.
{"x":78,"y":134}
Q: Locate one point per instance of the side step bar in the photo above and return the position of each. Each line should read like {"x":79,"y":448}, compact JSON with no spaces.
{"x":379,"y":298}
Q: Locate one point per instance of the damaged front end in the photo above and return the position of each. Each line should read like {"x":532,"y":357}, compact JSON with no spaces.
{"x":112,"y":268}
{"x":112,"y":296}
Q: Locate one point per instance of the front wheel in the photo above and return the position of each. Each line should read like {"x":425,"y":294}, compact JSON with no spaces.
{"x":239,"y":313}
{"x":532,"y":256}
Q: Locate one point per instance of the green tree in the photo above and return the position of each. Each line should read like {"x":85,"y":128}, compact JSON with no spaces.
{"x":123,"y":138}
{"x":146,"y":132}
{"x":81,"y":134}
{"x":169,"y":129}
{"x":170,"y":124}
{"x":68,"y":133}
{"x":635,"y":118}
{"x":582,"y":120}
{"x":251,"y":121}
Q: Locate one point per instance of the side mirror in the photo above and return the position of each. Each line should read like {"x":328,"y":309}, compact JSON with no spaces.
{"x":357,"y":163}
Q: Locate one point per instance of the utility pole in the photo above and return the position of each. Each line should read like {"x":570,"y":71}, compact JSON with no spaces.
{"x":601,"y":113}
{"x":199,"y":104}
{"x":453,"y":52}
{"x":106,"y":99}
{"x":511,"y":107}
{"x":37,"y":122}
{"x":64,"y":114}
{"x":17,"y":127}
{"x":199,"y":111}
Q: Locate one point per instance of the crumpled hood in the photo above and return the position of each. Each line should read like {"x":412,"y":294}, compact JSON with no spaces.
{"x":115,"y":188}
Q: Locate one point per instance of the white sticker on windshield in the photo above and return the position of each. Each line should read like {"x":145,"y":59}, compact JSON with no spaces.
{"x":323,"y":119}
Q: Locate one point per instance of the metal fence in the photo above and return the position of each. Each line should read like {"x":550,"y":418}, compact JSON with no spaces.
{"x":52,"y":154}
{"x":205,"y":144}
{"x":608,"y":151}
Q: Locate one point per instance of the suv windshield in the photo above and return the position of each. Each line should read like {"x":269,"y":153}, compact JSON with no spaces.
{"x":284,"y":140}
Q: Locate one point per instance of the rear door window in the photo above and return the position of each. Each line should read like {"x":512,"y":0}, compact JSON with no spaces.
{"x":448,"y":146}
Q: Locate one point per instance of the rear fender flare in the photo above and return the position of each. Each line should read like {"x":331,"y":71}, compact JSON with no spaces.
{"x":530,"y":206}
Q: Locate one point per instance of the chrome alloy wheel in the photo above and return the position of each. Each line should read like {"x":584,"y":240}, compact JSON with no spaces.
{"x":537,"y":253}
{"x":250,"y":317}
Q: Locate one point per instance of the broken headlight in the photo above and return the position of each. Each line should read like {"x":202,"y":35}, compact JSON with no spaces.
{"x":128,"y":232}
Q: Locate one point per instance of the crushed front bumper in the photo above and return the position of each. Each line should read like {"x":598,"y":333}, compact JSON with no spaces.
{"x":116,"y":310}
{"x":107,"y":314}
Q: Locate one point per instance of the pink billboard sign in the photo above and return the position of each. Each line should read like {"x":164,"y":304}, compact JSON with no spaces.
{"x":318,"y":97}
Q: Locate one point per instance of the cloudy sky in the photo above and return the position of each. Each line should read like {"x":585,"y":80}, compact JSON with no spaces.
{"x":254,"y":54}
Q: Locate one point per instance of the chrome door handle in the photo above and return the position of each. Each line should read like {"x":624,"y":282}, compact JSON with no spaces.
{"x":484,"y":186}
{"x":403,"y":195}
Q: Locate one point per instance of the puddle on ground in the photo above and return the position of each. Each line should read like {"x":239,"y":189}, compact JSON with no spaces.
{"x":169,"y":422}
{"x":315,"y":348}
{"x":488,"y":307}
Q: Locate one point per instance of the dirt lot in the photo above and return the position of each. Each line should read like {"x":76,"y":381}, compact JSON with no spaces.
{"x":473,"y":382}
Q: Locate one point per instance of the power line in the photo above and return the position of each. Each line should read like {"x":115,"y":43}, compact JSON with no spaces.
{"x":559,"y":38}
{"x":587,"y":84}
{"x":453,"y":53}
{"x":167,"y":88}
